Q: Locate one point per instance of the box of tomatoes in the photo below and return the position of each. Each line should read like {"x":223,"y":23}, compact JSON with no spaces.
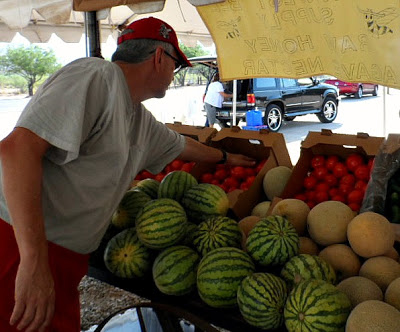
{"x":244,"y":184}
{"x":199,"y":133}
{"x":333,"y":167}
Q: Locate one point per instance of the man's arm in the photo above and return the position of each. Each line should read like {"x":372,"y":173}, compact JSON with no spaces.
{"x":21,"y":156}
{"x":199,"y":152}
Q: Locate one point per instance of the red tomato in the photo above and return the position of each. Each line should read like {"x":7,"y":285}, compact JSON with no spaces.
{"x":360,"y":184}
{"x":320,"y":172}
{"x":339,"y":170}
{"x":321,"y":196}
{"x":244,"y":186}
{"x":339,"y":198}
{"x":250,"y":179}
{"x":250,"y":171}
{"x":322,"y":186}
{"x":344,"y":189}
{"x":362,"y":172}
{"x":223,"y":187}
{"x":238,"y":172}
{"x":231,"y":189}
{"x":168,"y":169}
{"x":206,"y":178}
{"x":310,"y":182}
{"x":159,"y":177}
{"x":147,"y":174}
{"x":354,"y":206}
{"x":187,"y":167}
{"x":310,"y":204}
{"x":231,"y":182}
{"x":355,"y":196}
{"x":331,"y":162}
{"x":333,"y":192}
{"x":349,"y":179}
{"x":139,"y":177}
{"x":353,"y":161}
{"x":331,"y":180}
{"x":177,"y":164}
{"x":301,"y":197}
{"x":221,"y":174}
{"x":310,"y":195}
{"x":215,"y":181}
{"x":317,"y":161}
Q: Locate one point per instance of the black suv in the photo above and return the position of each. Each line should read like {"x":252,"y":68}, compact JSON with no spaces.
{"x":279,"y":99}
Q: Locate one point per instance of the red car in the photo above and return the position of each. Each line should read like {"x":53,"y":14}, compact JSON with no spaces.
{"x":355,"y":89}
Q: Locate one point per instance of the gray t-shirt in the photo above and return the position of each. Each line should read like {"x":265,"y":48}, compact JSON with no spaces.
{"x":100,"y":141}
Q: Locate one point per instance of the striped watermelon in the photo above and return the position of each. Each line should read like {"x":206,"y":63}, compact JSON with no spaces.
{"x":148,"y":186}
{"x":188,"y":238}
{"x":128,"y":209}
{"x":126,"y":257}
{"x":305,"y":266}
{"x":205,"y":200}
{"x":316,"y":305}
{"x":272,"y":241}
{"x":216,"y":232}
{"x":161,"y":223}
{"x":219,"y":275}
{"x":261,"y":299}
{"x":175,"y":184}
{"x":175,"y":270}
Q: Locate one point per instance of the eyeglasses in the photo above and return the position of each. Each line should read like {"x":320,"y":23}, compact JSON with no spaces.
{"x":178,"y":64}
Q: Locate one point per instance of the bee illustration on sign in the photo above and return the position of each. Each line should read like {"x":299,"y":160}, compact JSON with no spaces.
{"x":378,"y":23}
{"x":231,"y":28}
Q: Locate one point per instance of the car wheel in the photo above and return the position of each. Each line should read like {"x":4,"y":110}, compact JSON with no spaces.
{"x":359,"y":92}
{"x":329,"y":110}
{"x":273,"y":117}
{"x":375,"y":93}
{"x":289,"y":118}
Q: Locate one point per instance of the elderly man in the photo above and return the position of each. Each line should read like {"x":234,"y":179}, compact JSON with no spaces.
{"x":64,"y":168}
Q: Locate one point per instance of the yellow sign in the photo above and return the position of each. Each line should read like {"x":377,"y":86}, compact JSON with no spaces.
{"x":353,"y":40}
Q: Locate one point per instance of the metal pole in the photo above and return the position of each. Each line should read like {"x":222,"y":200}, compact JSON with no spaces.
{"x":92,"y":30}
{"x":234,"y":103}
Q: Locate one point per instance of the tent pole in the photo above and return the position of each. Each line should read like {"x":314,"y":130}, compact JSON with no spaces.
{"x":92,"y":31}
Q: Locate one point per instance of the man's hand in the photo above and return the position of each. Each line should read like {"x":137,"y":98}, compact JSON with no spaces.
{"x":34,"y":297}
{"x":239,"y":160}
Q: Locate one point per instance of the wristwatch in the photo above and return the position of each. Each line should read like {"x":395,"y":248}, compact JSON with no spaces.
{"x":224,"y":157}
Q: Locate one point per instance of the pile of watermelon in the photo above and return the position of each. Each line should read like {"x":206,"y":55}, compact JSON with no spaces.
{"x":227,"y":177}
{"x":182,"y":237}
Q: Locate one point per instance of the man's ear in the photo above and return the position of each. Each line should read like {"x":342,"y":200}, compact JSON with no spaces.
{"x":158,"y":58}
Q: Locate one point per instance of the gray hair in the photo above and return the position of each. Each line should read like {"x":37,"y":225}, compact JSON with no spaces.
{"x":138,"y":50}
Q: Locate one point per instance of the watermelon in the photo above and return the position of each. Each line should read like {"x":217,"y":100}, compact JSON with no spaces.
{"x":216,"y":232}
{"x":126,"y":257}
{"x":175,"y":184}
{"x":205,"y":200}
{"x":161,"y":223}
{"x":148,"y":186}
{"x":219,"y":275}
{"x":132,"y":202}
{"x":305,"y":266}
{"x":261,"y":299}
{"x":272,"y":241}
{"x":316,"y":305}
{"x":188,"y":238}
{"x":175,"y":270}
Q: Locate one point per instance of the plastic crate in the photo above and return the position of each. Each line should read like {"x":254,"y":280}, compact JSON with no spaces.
{"x":255,"y":128}
{"x":254,"y":118}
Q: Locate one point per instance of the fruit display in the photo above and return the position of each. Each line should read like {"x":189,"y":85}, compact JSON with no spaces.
{"x":175,"y":184}
{"x":332,"y":177}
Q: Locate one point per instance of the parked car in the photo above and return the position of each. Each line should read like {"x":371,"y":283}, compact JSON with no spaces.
{"x":279,"y":99}
{"x":353,"y":89}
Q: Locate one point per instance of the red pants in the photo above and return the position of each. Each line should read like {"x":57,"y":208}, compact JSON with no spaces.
{"x":68,"y":269}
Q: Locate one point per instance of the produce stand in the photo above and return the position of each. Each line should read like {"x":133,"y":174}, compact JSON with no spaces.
{"x":229,"y":319}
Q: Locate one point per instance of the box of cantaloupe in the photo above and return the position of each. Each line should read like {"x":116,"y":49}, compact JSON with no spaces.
{"x":199,"y":133}
{"x":328,"y":143}
{"x":261,"y":145}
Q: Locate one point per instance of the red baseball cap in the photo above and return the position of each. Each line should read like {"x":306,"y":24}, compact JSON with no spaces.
{"x":153,"y":28}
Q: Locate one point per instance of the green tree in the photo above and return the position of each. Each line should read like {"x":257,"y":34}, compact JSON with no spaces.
{"x":32,"y":63}
{"x":190,"y":52}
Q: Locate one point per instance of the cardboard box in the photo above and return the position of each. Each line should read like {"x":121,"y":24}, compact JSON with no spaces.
{"x":327,"y":143}
{"x":256,"y":144}
{"x":199,"y":133}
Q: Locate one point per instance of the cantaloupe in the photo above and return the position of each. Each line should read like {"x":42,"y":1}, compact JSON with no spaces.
{"x":359,"y":289}
{"x":307,"y":246}
{"x":381,"y":269}
{"x":247,"y":223}
{"x":373,"y":316}
{"x":343,"y":259}
{"x":392,"y":253}
{"x":327,"y":222}
{"x":294,"y":210}
{"x":392,"y":294}
{"x":275,"y":181}
{"x":261,"y":209}
{"x":370,"y":234}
